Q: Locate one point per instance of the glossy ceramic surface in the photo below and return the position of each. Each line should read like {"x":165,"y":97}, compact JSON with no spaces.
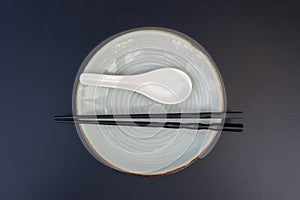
{"x":138,"y":150}
{"x":165,"y":85}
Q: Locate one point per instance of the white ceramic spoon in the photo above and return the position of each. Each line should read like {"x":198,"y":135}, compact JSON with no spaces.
{"x":166,"y":85}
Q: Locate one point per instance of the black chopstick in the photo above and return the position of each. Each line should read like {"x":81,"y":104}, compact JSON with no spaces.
{"x":203,"y":115}
{"x":172,"y":125}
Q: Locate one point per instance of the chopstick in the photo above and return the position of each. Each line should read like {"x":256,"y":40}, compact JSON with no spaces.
{"x":196,"y":115}
{"x":98,"y":120}
{"x":233,"y":127}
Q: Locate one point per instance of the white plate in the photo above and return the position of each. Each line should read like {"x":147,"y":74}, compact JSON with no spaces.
{"x":138,"y":150}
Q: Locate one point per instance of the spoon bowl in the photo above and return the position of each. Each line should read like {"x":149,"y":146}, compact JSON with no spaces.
{"x":165,"y":85}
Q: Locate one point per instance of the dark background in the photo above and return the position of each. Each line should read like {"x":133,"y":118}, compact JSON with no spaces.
{"x":255,"y":44}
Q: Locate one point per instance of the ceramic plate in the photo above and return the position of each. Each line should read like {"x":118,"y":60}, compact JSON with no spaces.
{"x":140,"y":150}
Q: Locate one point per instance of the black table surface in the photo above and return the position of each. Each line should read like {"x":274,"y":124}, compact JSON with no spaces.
{"x":255,"y":45}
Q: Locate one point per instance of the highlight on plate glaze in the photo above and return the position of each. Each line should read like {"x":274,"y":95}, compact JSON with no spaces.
{"x":138,"y":150}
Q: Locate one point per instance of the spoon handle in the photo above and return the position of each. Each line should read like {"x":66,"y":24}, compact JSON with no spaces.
{"x":90,"y":79}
